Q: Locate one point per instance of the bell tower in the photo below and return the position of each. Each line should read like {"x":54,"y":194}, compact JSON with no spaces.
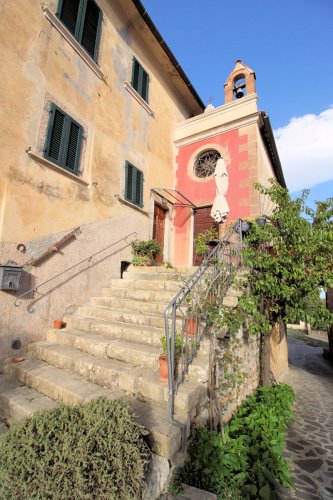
{"x":241,"y":82}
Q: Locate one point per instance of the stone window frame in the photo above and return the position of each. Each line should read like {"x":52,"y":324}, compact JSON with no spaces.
{"x":37,"y":153}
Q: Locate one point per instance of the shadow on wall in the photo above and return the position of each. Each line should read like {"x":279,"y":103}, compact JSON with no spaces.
{"x":52,"y":293}
{"x":61,"y":279}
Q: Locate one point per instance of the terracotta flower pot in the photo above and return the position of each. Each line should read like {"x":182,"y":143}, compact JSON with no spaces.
{"x":18,"y":359}
{"x":191,"y":327}
{"x":58,"y":324}
{"x":163,"y":360}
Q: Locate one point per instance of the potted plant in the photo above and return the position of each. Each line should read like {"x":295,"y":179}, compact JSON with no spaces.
{"x":163,"y":359}
{"x":206,"y":239}
{"x":58,"y":324}
{"x":196,"y":303}
{"x":144,"y":252}
{"x":242,"y":226}
{"x":261,"y":221}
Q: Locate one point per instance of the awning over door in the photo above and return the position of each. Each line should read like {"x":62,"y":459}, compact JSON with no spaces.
{"x":175,"y":197}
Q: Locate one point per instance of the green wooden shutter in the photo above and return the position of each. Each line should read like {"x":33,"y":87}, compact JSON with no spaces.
{"x":63,"y":141}
{"x":135,"y":74}
{"x":129,"y":182}
{"x":55,"y":135}
{"x":133,"y":184}
{"x":83,"y":19}
{"x":91,"y":21}
{"x":68,"y":13}
{"x":140,"y":79}
{"x":73,"y":147}
{"x":138,"y":188}
{"x":145,"y":84}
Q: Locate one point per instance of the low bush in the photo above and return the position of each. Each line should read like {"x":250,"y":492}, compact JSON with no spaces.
{"x":250,"y":464}
{"x":149,"y":248}
{"x":82,"y":452}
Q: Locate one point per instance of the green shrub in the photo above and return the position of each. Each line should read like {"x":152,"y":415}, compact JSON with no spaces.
{"x":80,"y":452}
{"x":141,"y":260}
{"x":149,"y":248}
{"x":250,"y":464}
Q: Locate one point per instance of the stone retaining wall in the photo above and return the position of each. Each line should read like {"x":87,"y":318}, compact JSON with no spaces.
{"x":237,"y":370}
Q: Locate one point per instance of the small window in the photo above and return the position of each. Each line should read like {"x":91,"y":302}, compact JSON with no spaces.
{"x":83,"y":19}
{"x":140,"y":79}
{"x":133,"y":185}
{"x":63,"y":141}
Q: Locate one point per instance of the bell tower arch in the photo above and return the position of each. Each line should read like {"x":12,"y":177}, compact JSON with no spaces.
{"x":241,"y":82}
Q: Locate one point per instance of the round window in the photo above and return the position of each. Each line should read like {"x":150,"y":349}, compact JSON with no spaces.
{"x":205,"y":164}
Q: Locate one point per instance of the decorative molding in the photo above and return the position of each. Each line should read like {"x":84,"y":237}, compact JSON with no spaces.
{"x":74,"y":43}
{"x":47,"y":163}
{"x":138,"y":97}
{"x":213,"y":132}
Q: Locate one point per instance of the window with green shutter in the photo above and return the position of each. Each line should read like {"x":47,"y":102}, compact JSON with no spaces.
{"x":83,"y":19}
{"x":63,"y":140}
{"x":133,"y":184}
{"x":140,"y":80}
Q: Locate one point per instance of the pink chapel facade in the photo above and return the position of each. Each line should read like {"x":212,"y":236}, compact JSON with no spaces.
{"x":240,"y":134}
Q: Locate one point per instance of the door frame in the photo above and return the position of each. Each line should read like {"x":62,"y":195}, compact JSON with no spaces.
{"x":165,"y":210}
{"x":167,"y":206}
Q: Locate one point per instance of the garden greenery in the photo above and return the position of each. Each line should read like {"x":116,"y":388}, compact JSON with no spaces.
{"x":91,"y":451}
{"x":288,"y":260}
{"x":202,"y":240}
{"x":250,"y":464}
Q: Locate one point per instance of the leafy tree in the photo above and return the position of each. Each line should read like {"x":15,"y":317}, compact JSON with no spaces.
{"x":288,"y":259}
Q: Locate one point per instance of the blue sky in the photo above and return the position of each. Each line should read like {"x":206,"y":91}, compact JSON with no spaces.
{"x":289,"y":44}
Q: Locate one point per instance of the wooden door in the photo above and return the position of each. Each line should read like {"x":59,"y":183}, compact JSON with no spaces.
{"x":159,"y":229}
{"x":202,"y":221}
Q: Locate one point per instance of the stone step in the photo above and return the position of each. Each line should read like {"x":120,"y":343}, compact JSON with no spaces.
{"x":55,"y":385}
{"x":198,"y":370}
{"x":121,"y":316}
{"x":142,"y":295}
{"x":117,"y":375}
{"x":130,"y":352}
{"x":138,"y":284}
{"x":22,"y":402}
{"x":129,"y":305}
{"x":129,"y":332}
{"x":162,"y":269}
{"x":150,"y":276}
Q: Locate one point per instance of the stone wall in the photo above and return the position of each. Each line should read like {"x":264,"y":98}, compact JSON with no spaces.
{"x":237,"y":370}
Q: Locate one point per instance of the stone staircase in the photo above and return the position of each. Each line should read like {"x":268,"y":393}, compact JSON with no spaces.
{"x":110,"y":347}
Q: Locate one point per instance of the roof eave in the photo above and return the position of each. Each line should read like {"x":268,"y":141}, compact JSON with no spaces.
{"x":269,"y":141}
{"x":147,"y":19}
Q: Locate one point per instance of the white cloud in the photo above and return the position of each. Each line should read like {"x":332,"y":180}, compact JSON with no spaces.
{"x":305,"y":148}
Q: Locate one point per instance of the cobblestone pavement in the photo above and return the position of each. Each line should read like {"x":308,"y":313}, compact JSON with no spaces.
{"x":310,"y":436}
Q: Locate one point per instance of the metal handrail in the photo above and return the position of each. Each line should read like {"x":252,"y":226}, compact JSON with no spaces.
{"x":18,"y":302}
{"x":185,"y":316}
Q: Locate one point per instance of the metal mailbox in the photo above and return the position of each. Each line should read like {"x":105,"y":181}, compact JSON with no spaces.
{"x":10,"y":276}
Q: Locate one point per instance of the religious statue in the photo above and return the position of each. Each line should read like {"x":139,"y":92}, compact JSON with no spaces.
{"x":220,"y":208}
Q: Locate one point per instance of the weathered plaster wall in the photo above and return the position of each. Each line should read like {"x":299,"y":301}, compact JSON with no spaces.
{"x":41,"y":66}
{"x":70,"y":290}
